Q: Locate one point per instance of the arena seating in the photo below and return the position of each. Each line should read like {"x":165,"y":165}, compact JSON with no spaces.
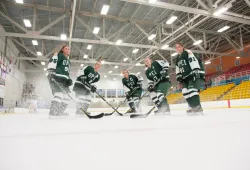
{"x":213,"y":93}
{"x":174,"y":97}
{"x":239,"y":92}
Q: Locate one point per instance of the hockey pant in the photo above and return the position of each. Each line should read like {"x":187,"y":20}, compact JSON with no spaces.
{"x":158,"y":96}
{"x":134,"y":100}
{"x":83,"y":99}
{"x":191,"y":90}
{"x":60,"y":99}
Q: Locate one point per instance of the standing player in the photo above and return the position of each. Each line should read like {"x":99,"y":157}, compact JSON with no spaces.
{"x":134,"y":84}
{"x":83,"y":86}
{"x":58,"y":75}
{"x":190,"y":74}
{"x":158,"y":72}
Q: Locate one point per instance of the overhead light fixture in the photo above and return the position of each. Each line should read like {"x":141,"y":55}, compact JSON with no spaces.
{"x":223,"y":29}
{"x":116,"y":66}
{"x":208,"y":62}
{"x":197,"y":42}
{"x":118,"y":42}
{"x":47,"y":74}
{"x":121,"y":74}
{"x":85,"y":56}
{"x":152,"y":1}
{"x":89,"y":47}
{"x":174,"y":54}
{"x":27,"y":23}
{"x":96,"y":30}
{"x":34,"y":42}
{"x":171,"y":19}
{"x":42,"y":63}
{"x":125,"y":59}
{"x":164,"y":46}
{"x":110,"y":72}
{"x":63,"y":36}
{"x":138,"y":73}
{"x":102,"y":61}
{"x":19,"y":1}
{"x":223,"y":9}
{"x":105,"y":76}
{"x":114,"y":78}
{"x":135,"y":50}
{"x":152,"y":36}
{"x":137,"y":64}
{"x":39,"y":53}
{"x":105,"y":9}
{"x":45,"y":69}
{"x":238,"y":57}
{"x":82,"y":65}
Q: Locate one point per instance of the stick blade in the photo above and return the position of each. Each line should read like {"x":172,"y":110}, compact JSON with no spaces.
{"x":138,"y":116}
{"x":96,"y":116}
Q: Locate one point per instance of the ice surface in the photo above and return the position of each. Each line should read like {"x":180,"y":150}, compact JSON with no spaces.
{"x":218,"y":141}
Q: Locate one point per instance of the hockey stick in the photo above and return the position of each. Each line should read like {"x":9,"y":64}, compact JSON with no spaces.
{"x":109,"y":114}
{"x":89,"y":116}
{"x":150,"y":111}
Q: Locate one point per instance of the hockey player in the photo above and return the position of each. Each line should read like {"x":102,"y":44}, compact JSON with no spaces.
{"x":157,"y":71}
{"x":83,"y":86}
{"x":134,"y":84}
{"x":190,"y":74}
{"x":59,"y":80}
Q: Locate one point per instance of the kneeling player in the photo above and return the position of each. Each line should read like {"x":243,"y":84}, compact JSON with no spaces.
{"x":134,"y":84}
{"x":158,"y":83}
{"x":83,"y":86}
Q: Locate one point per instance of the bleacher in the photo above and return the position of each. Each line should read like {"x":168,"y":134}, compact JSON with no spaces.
{"x":174,"y":97}
{"x":213,"y":93}
{"x":239,"y":92}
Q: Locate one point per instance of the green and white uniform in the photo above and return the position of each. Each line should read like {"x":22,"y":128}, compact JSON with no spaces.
{"x":133,"y":82}
{"x":85,"y":76}
{"x":190,"y":72}
{"x":154,"y":74}
{"x":59,"y":68}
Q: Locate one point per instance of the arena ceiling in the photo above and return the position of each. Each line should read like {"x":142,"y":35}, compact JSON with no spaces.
{"x":131,"y":21}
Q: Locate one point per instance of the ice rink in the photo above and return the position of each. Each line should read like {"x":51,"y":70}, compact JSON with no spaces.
{"x":220,"y":140}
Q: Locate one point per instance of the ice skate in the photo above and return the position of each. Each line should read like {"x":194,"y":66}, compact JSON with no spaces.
{"x":196,"y":111}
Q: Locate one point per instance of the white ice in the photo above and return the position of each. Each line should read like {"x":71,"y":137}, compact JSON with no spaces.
{"x":220,"y":140}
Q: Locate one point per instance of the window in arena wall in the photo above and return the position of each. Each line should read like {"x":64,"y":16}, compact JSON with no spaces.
{"x":121,"y":93}
{"x":111,"y":93}
{"x":101,"y":92}
{"x":237,"y":62}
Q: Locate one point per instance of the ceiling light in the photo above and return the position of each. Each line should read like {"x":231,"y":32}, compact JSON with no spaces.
{"x":39,"y":53}
{"x":43,"y":63}
{"x":164,"y":46}
{"x":34,"y":42}
{"x":121,"y":74}
{"x":47,"y":74}
{"x":118,"y":42}
{"x":89,"y":47}
{"x":138,"y":73}
{"x":45,"y":69}
{"x":96,"y":30}
{"x":27,"y":23}
{"x":223,"y":29}
{"x":82,"y":65}
{"x":114,"y":78}
{"x":152,"y":1}
{"x":116,"y":66}
{"x":105,"y":9}
{"x":197,"y":42}
{"x":125,"y":59}
{"x":110,"y":72}
{"x":102,"y":61}
{"x":19,"y":1}
{"x":208,"y":62}
{"x":174,"y":54}
{"x":221,"y":10}
{"x":137,"y":64}
{"x":135,"y":50}
{"x":171,"y":19}
{"x":63,"y":36}
{"x":152,"y":36}
{"x":238,"y":57}
{"x":105,"y":76}
{"x":85,"y":56}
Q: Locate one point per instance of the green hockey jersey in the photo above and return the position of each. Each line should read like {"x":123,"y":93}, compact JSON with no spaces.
{"x":132,"y":82}
{"x":89,"y":74}
{"x":186,"y":62}
{"x":59,"y":65}
{"x":153,"y":73}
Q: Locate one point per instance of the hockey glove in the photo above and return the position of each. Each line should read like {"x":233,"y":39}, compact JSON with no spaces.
{"x":196,"y":74}
{"x":68,"y":83}
{"x":127,"y":95}
{"x":93,"y":89}
{"x":163,"y":74}
{"x":51,"y":75}
{"x":150,"y":87}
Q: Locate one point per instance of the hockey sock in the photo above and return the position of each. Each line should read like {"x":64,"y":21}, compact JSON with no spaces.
{"x":62,"y":108}
{"x":195,"y":101}
{"x":54,"y":108}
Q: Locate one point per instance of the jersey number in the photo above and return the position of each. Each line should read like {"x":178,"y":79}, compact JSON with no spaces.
{"x":66,"y":69}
